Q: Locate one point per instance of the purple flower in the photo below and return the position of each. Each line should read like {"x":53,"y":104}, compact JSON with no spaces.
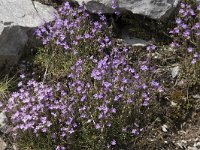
{"x":176,"y":30}
{"x":184,"y":26}
{"x":136,"y":76}
{"x":196,"y":55}
{"x":129,"y":101}
{"x":191,"y":12}
{"x":134,"y":132}
{"x":71,"y":131}
{"x":196,"y":26}
{"x":97,"y":126}
{"x":113,"y":142}
{"x":87,"y":36}
{"x":20,"y":84}
{"x":106,"y":84}
{"x":22,"y":76}
{"x":106,"y":39}
{"x":100,"y":115}
{"x":186,"y":33}
{"x":83,"y":98}
{"x":178,"y":21}
{"x":194,"y":61}
{"x":189,"y":49}
{"x":143,"y":67}
{"x":113,"y":110}
{"x":198,"y":7}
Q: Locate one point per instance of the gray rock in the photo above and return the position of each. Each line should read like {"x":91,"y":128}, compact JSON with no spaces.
{"x":192,"y":148}
{"x":133,"y":41}
{"x":155,"y":9}
{"x":175,"y":71}
{"x":136,"y":42}
{"x":2,"y":120}
{"x":3,"y":145}
{"x":17,"y":17}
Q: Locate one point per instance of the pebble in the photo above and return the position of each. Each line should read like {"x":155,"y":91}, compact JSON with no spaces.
{"x":3,"y":145}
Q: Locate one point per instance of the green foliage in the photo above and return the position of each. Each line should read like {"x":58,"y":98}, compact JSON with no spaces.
{"x":54,"y":64}
{"x":5,"y":84}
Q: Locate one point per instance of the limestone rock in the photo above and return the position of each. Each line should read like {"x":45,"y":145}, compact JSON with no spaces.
{"x":17,"y":17}
{"x":155,"y":9}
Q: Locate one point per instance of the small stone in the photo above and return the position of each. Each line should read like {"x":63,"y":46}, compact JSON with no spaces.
{"x":180,"y":145}
{"x":15,"y":147}
{"x":164,"y":128}
{"x":173,"y":103}
{"x":2,"y":120}
{"x":183,"y":141}
{"x":197,"y":144}
{"x":197,"y":96}
{"x":3,"y":145}
{"x":175,"y":71}
{"x":192,"y":148}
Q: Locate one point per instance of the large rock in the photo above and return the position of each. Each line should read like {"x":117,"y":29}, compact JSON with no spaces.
{"x":17,"y":17}
{"x":155,"y":9}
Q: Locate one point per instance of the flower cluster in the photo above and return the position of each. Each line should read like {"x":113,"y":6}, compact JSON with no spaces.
{"x":100,"y":97}
{"x":73,"y":29}
{"x":93,"y":103}
{"x":115,"y":6}
{"x":186,"y":34}
{"x":73,"y":34}
{"x":41,"y":109}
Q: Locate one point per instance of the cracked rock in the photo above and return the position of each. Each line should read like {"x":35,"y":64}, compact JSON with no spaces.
{"x":155,"y":9}
{"x":17,"y":17}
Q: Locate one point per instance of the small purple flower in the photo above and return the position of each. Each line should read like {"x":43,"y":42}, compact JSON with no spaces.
{"x":103,"y":18}
{"x":87,"y":36}
{"x":186,"y":33}
{"x":129,"y":101}
{"x":113,"y":110}
{"x":196,"y":55}
{"x":176,"y":30}
{"x":100,"y":115}
{"x":71,"y":131}
{"x":106,"y":39}
{"x":184,"y":26}
{"x":22,"y":76}
{"x":191,"y":12}
{"x":107,"y":84}
{"x":20,"y":84}
{"x":97,"y":126}
{"x":136,"y":76}
{"x":198,"y":7}
{"x":113,"y":142}
{"x":194,"y":61}
{"x":83,"y":98}
{"x":178,"y":21}
{"x":134,"y":132}
{"x":189,"y":49}
{"x":143,"y":67}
